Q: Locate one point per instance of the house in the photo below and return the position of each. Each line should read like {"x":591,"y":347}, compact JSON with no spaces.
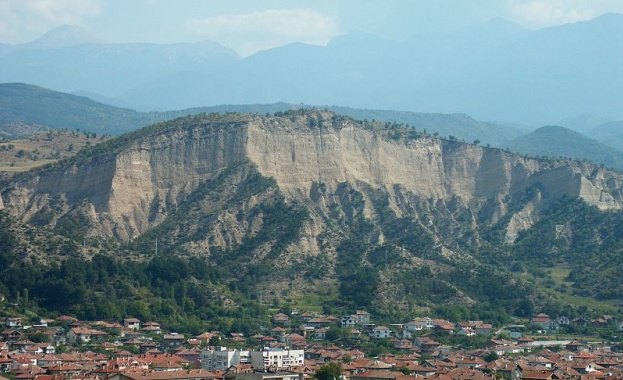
{"x":353,"y":333}
{"x":470,"y":362}
{"x":172,"y":341}
{"x":132,"y":323}
{"x":11,"y":335}
{"x":482,"y":328}
{"x":563,"y":320}
{"x":147,"y":347}
{"x":348,"y":321}
{"x":83,"y":335}
{"x":574,"y":345}
{"x":319,"y":322}
{"x":425,"y":323}
{"x":620,"y":325}
{"x":281,"y":318}
{"x":514,"y":331}
{"x":380,"y":332}
{"x":152,"y":327}
{"x":362,"y":317}
{"x":320,"y":334}
{"x":404,"y":334}
{"x":5,"y":364}
{"x":465,"y":331}
{"x":295,"y":340}
{"x":22,"y":345}
{"x":13,"y":322}
{"x":278,"y":333}
{"x":194,"y":374}
{"x":599,"y":322}
{"x":444,"y":329}
{"x":544,"y":322}
{"x":270,"y":375}
{"x":537,"y":375}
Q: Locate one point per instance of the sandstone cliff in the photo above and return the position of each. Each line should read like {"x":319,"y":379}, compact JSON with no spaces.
{"x":124,"y":191}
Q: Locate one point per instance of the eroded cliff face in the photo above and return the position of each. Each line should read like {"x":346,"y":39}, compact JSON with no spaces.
{"x":126,"y":191}
{"x":428,"y":167}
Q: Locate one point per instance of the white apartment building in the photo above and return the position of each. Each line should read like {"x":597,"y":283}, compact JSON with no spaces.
{"x":222,"y":358}
{"x":277,"y":358}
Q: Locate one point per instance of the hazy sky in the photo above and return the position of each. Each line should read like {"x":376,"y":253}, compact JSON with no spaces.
{"x":251,"y":25}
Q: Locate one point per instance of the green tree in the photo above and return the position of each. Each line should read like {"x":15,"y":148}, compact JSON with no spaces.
{"x":334,"y":333}
{"x":329,"y":371}
{"x":490,"y":356}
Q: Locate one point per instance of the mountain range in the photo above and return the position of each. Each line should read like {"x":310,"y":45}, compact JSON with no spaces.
{"x":497,"y":71}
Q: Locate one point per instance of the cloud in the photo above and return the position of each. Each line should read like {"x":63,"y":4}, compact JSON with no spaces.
{"x":250,"y":32}
{"x":543,"y":13}
{"x":31,"y":18}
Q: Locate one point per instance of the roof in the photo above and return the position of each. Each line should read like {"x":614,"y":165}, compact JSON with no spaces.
{"x":173,"y":336}
{"x":169,"y":375}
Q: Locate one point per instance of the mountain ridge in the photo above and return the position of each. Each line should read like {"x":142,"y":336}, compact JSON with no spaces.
{"x":376,"y":214}
{"x":557,"y":141}
{"x":504,"y":69}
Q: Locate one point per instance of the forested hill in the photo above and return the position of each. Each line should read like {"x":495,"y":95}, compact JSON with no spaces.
{"x":312,"y":210}
{"x":555,"y":141}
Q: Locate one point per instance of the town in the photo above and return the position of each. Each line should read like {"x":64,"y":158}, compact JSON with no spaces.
{"x":305,"y":345}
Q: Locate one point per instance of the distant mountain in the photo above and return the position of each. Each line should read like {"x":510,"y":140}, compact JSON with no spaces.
{"x":610,"y":133}
{"x":63,"y":36}
{"x":497,"y":71}
{"x":68,"y":59}
{"x":555,"y":141}
{"x":553,"y":73}
{"x":583,"y":123}
{"x":32,"y":105}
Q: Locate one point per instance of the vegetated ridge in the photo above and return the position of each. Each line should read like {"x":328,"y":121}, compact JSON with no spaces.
{"x":555,"y":141}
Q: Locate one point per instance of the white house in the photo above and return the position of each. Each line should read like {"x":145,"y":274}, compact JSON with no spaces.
{"x":132,"y":323}
{"x":348,"y":321}
{"x":420,"y":324}
{"x":380,"y":332}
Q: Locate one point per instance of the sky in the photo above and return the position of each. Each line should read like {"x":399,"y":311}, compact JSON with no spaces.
{"x":248,"y":26}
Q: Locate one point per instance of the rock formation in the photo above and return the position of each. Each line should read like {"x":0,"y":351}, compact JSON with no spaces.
{"x":139,"y":180}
